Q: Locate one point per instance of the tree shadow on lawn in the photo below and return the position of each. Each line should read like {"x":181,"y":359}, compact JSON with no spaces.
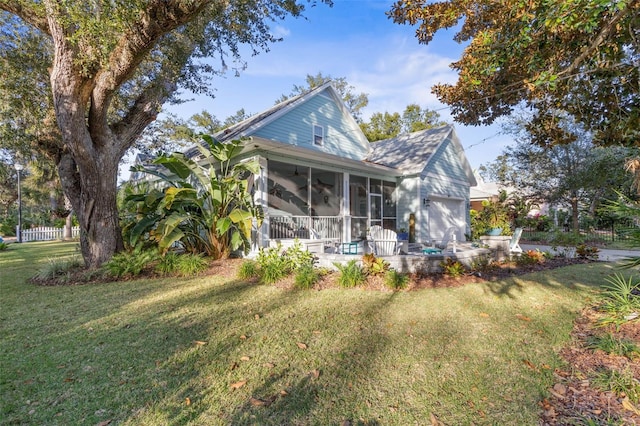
{"x":573,"y":277}
{"x":128,"y":351}
{"x":336,"y":371}
{"x":293,"y":388}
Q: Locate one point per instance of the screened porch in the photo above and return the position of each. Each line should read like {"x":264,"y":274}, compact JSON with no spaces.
{"x":312,"y":203}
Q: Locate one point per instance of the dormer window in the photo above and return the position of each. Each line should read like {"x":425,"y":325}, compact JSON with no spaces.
{"x":318,"y":135}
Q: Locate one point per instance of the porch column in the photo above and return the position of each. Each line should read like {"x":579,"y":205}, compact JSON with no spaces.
{"x":260,"y":198}
{"x":346,"y":209}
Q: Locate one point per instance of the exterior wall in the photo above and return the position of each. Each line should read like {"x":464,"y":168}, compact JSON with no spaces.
{"x":409,"y":202}
{"x":445,"y":182}
{"x":446,"y":162}
{"x":296,"y":128}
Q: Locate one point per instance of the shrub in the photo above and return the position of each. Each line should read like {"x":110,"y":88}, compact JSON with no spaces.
{"x":452,"y":268}
{"x":396,"y":280}
{"x":531,"y":257}
{"x":59,"y":268}
{"x":566,"y":239}
{"x":130,"y":263}
{"x":296,"y":257}
{"x":373,"y":265}
{"x":190,"y":264}
{"x":621,"y":297}
{"x":483,"y":264}
{"x":351,"y":274}
{"x":249,"y":269}
{"x":3,"y":246}
{"x":168,"y":264}
{"x":306,"y":277}
{"x":584,"y":251}
{"x":273,"y":265}
{"x":613,"y":345}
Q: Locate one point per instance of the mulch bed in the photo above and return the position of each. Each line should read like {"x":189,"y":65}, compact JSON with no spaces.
{"x":575,"y":398}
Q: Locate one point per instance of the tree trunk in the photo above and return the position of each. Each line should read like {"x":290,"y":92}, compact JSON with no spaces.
{"x":92,"y":192}
{"x":574,"y":215}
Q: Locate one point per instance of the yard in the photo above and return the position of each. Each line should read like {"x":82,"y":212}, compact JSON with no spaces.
{"x":217,"y":350}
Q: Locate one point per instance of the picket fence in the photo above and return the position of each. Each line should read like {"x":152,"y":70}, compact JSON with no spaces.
{"x":46,"y":233}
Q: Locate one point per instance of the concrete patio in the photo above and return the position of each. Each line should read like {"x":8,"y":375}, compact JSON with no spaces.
{"x":415,"y":260}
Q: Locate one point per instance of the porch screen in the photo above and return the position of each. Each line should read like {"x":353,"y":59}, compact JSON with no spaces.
{"x":302,"y":200}
{"x":359,"y":207}
{"x":287,"y":187}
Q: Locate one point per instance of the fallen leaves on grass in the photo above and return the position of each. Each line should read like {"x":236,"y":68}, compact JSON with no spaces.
{"x":238,"y":385}
{"x":259,"y":402}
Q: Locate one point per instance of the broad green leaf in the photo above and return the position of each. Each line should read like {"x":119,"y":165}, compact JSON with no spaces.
{"x":223,"y":225}
{"x":238,"y":215}
{"x":236,"y":240}
{"x":176,"y":164}
{"x":167,"y":240}
{"x":141,"y":228}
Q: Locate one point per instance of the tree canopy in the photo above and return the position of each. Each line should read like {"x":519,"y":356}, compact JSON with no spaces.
{"x":581,"y":57}
{"x":388,"y":125}
{"x":578,"y":174}
{"x":110,"y":67}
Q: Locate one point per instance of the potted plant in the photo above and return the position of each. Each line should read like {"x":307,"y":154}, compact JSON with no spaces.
{"x":403,"y":234}
{"x":493,"y":219}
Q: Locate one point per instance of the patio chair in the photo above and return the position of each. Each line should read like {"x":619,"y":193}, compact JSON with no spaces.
{"x":384,"y":241}
{"x":446,"y":238}
{"x":374,"y":230}
{"x":514,"y":247}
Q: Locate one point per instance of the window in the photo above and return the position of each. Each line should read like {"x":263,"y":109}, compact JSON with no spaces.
{"x":318,"y":135}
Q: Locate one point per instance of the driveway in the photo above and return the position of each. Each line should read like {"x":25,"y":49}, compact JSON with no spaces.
{"x":605,"y":255}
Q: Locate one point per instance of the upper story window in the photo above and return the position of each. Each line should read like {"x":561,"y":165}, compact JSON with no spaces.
{"x":318,"y":135}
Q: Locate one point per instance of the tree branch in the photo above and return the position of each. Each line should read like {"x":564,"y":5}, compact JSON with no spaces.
{"x":30,"y":12}
{"x":158,"y":19}
{"x":602,"y":35}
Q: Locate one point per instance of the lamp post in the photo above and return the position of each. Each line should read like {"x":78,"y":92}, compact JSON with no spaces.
{"x":19,"y":167}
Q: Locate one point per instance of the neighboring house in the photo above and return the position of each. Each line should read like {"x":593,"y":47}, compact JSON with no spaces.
{"x":320,"y":176}
{"x":484,"y":191}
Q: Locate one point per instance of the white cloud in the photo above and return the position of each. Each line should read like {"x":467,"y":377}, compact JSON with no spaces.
{"x":280,"y":31}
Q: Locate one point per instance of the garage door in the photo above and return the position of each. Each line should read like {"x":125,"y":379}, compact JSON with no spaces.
{"x":445,"y":213}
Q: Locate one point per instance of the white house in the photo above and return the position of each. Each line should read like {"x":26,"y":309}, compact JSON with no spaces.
{"x":320,"y":175}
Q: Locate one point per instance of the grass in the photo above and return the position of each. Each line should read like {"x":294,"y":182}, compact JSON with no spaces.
{"x":213,"y":350}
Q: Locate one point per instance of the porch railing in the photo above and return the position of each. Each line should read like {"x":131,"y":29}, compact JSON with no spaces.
{"x":327,"y":227}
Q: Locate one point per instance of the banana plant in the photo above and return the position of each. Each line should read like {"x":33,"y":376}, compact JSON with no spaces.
{"x":207,"y":206}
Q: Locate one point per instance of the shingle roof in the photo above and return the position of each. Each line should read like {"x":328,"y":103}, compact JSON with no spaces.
{"x":410,"y":152}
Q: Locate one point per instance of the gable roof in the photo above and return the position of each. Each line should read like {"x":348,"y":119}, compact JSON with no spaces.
{"x":252,"y":124}
{"x":411,"y":152}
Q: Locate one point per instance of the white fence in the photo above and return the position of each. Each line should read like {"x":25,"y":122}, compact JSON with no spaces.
{"x":46,"y":233}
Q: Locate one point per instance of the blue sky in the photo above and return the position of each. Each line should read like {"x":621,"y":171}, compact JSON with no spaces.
{"x":353,"y":39}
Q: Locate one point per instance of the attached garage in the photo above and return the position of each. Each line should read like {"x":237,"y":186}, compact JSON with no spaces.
{"x":445,"y":213}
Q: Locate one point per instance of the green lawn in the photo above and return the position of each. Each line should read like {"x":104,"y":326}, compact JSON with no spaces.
{"x":210,"y":351}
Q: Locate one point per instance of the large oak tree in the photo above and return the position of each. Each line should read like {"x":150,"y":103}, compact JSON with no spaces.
{"x":112,"y":65}
{"x":556,"y":56}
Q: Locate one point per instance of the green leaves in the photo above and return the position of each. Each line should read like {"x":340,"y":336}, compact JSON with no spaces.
{"x":206,"y":207}
{"x":572,"y":56}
